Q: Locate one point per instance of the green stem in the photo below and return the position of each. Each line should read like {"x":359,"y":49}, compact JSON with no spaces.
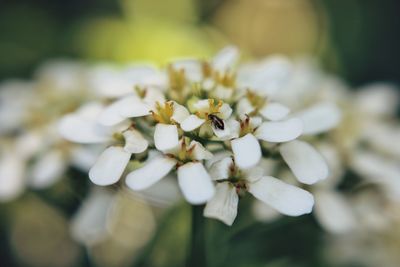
{"x":197,"y":253}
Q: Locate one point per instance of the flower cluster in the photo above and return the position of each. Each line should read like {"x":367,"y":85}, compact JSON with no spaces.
{"x":33,"y":154}
{"x":357,"y":132}
{"x":214,"y":125}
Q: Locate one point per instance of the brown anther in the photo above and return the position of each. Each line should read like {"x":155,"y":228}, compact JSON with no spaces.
{"x":247,"y":120}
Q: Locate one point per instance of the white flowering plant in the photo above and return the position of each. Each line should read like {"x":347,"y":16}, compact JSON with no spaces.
{"x":214,"y":125}
{"x":269,"y":140}
{"x":179,"y":121}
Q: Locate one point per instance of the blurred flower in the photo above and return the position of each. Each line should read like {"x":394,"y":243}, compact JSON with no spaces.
{"x":31,"y":136}
{"x":233,"y":182}
{"x":360,"y":139}
{"x":104,"y":222}
{"x":14,"y":101}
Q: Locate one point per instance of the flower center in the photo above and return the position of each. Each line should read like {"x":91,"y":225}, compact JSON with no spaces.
{"x":163,"y":113}
{"x":246,"y":126}
{"x":185,"y":153}
{"x":256,"y":101}
{"x":236,"y":179}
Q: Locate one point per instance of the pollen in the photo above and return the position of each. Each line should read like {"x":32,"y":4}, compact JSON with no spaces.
{"x":164,"y":113}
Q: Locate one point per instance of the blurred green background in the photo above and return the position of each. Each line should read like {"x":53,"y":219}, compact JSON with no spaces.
{"x":358,"y":39}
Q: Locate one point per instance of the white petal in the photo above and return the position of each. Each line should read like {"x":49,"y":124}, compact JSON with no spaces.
{"x":378,"y":99}
{"x":132,"y":107}
{"x":222,"y":92}
{"x":383,"y":136}
{"x":191,"y":123}
{"x":220,"y":169}
{"x":333,"y":158}
{"x":255,"y":122}
{"x":154,"y":95}
{"x":224,"y":111}
{"x":253,"y":174}
{"x":134,"y":141}
{"x":333,"y":212}
{"x":149,"y":174}
{"x":109,"y":166}
{"x":224,"y":134}
{"x":267,"y":77}
{"x":166,"y":137}
{"x":89,"y":224}
{"x":195,"y":183}
{"x":165,"y":193}
{"x":200,"y":152}
{"x":217,"y":157}
{"x":244,"y":107}
{"x":287,"y":199}
{"x":274,"y":111}
{"x":225,"y":59}
{"x":90,"y":111}
{"x":230,"y":131}
{"x":180,"y":113}
{"x":246,"y":151}
{"x":111,"y":115}
{"x":320,"y":118}
{"x":143,"y":75}
{"x":192,"y":68}
{"x":201,"y":105}
{"x":47,"y":170}
{"x":30,"y":143}
{"x":305,"y":162}
{"x":234,"y":128}
{"x":77,"y":129}
{"x":281,"y":131}
{"x":12,"y":181}
{"x":208,"y":84}
{"x":379,"y":170}
{"x":223,"y":206}
{"x":108,"y":82}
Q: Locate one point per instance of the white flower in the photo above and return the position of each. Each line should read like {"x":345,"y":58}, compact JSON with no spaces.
{"x":89,"y":224}
{"x":232,"y":182}
{"x":334,"y":212}
{"x":193,"y":178}
{"x":305,"y":162}
{"x":194,"y":107}
{"x":256,"y":104}
{"x":131,"y":106}
{"x":47,"y":169}
{"x":276,"y":129}
{"x":280,"y":131}
{"x":12,"y":178}
{"x":225,"y":60}
{"x":378,"y":99}
{"x":108,"y":81}
{"x":266,"y":77}
{"x":62,"y":76}
{"x":379,"y":170}
{"x":15,"y":97}
{"x":319,"y":118}
{"x":82,"y":127}
{"x":247,"y":149}
{"x":211,"y":117}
